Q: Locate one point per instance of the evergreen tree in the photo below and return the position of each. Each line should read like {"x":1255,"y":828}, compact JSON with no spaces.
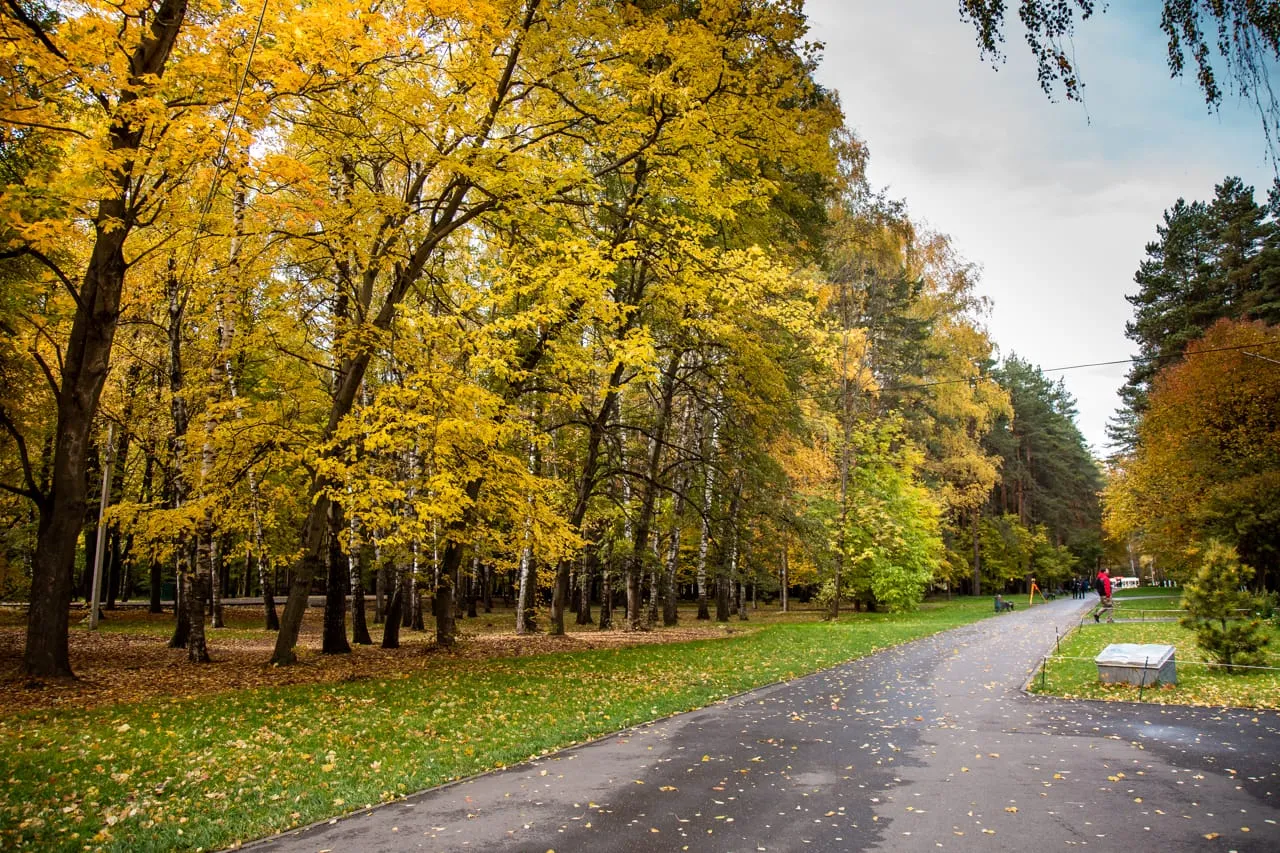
{"x":1211,"y":260}
{"x":1048,"y":476}
{"x":1220,"y":612}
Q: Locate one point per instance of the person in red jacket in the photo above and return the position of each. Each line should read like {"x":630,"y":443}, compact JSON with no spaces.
{"x":1103,"y":585}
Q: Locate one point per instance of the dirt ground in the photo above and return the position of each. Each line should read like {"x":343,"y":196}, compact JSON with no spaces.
{"x":128,"y":658}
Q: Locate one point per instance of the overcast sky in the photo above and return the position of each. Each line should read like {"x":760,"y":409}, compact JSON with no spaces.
{"x":1055,"y":201}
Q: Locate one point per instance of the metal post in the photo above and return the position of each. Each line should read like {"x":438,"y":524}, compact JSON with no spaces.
{"x":1142,"y":682}
{"x":102,"y":532}
{"x":1044,"y":671}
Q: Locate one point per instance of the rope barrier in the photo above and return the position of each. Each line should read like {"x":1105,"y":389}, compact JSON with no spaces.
{"x":1180,"y":662}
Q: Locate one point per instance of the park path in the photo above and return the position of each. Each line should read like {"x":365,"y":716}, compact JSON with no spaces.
{"x":927,"y":746}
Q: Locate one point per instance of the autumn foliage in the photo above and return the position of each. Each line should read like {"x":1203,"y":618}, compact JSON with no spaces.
{"x":1208,"y":460}
{"x":566,"y":301}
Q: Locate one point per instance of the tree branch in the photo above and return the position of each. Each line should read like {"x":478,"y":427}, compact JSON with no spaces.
{"x":31,"y":491}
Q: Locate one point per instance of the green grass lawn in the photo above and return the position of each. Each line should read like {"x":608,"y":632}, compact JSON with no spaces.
{"x":208,"y":771}
{"x":1074,"y":675}
{"x":1150,"y":592}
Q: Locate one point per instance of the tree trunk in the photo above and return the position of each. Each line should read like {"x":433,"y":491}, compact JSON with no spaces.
{"x":357,"y":564}
{"x":589,"y":562}
{"x":157,"y":582}
{"x":413,"y":617}
{"x":525,"y":622}
{"x":785,"y":579}
{"x":473,"y":587}
{"x":442,"y":608}
{"x":445,"y":606}
{"x":670,"y":598}
{"x":115,"y":551}
{"x":90,"y":537}
{"x":655,"y":594}
{"x":458,"y":589}
{"x":155,"y":567}
{"x":586,"y":488}
{"x":380,"y":586}
{"x":267,"y":581}
{"x":391,"y":625}
{"x":197,"y":648}
{"x":216,"y":586}
{"x":649,"y":495}
{"x":606,"y":598}
{"x":334,"y":639}
{"x":729,"y":564}
{"x":704,"y":541}
{"x":181,"y":594}
{"x":119,"y":553}
{"x":408,"y":577}
{"x":86,"y":360}
{"x":193,"y":590}
{"x":977,"y":552}
{"x":722,"y":599}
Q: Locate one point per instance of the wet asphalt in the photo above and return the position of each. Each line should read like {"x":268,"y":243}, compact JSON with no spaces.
{"x":928,"y":746}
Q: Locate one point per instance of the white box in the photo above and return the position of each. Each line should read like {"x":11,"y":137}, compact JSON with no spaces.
{"x":1137,"y":664}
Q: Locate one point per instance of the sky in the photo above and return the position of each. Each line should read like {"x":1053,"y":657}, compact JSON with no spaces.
{"x":1056,"y":201}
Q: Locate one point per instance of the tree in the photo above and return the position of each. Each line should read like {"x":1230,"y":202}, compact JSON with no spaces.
{"x":1212,"y":260}
{"x":132,"y":126}
{"x":1048,"y":476}
{"x":1207,"y":463}
{"x":1220,"y":610}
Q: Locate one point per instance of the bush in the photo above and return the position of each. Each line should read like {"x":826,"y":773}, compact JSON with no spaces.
{"x":1221,"y":611}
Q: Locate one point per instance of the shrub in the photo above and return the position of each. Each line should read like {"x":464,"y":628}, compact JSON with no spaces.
{"x":1221,"y":611}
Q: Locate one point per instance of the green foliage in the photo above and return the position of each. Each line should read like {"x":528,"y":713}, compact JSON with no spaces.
{"x":1221,"y":611}
{"x":1048,"y":475}
{"x":1012,"y":552}
{"x":889,"y":542}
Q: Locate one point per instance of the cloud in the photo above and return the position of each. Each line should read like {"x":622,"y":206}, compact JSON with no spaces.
{"x":1055,"y":200}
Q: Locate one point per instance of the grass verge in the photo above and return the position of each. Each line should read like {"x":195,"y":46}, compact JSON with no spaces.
{"x":210,"y":771}
{"x":1072,"y":673}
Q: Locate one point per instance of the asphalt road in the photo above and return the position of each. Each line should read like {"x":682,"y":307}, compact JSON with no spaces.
{"x":928,"y":746}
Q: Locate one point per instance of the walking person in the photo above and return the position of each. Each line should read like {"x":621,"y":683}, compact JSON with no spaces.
{"x":1102,"y":583}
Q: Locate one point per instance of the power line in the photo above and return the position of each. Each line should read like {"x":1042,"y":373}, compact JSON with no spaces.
{"x":1133,"y":360}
